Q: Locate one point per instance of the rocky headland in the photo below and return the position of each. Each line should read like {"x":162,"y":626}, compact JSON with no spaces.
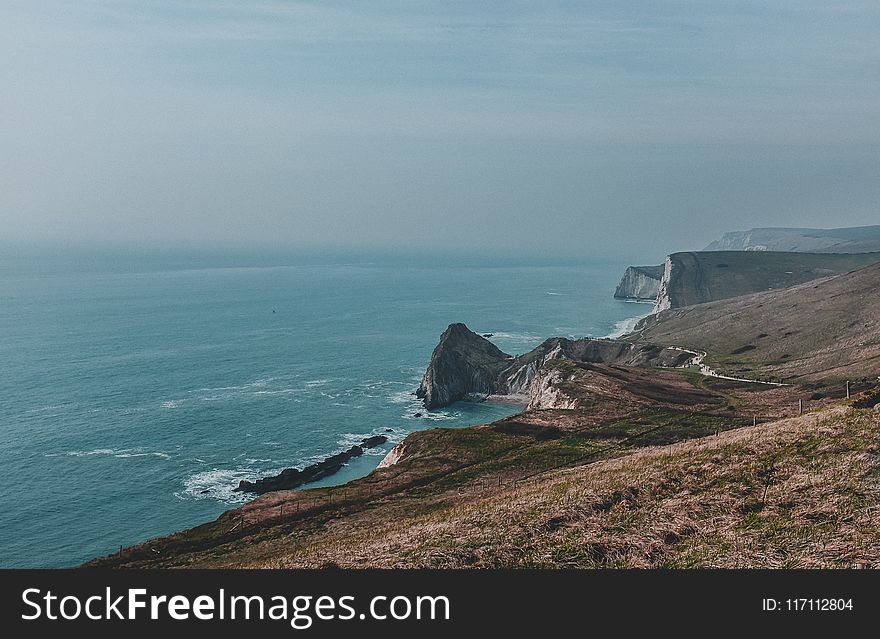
{"x":465,"y":365}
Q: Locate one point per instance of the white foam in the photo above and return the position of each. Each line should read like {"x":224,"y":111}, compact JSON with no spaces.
{"x":161,"y":455}
{"x":122,"y":453}
{"x":623,"y":327}
{"x":174,"y":403}
{"x":219,"y":484}
{"x":430,"y":415}
{"x":283,"y":391}
{"x":514,"y":337}
{"x":403,"y":397}
{"x":47,"y":408}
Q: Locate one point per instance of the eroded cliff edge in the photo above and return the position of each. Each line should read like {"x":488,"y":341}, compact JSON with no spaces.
{"x":465,"y":365}
{"x":698,"y":277}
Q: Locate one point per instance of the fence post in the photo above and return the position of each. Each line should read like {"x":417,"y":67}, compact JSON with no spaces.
{"x":847,"y":389}
{"x":800,"y":407}
{"x":754,"y":420}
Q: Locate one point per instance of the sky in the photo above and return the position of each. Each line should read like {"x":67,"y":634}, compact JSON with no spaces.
{"x":551,"y":127}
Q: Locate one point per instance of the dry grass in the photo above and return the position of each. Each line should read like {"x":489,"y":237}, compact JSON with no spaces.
{"x":801,"y":492}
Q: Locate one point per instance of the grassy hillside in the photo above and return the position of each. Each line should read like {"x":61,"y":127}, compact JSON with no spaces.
{"x":699,"y":277}
{"x":799,"y":492}
{"x":823,"y":330}
{"x":582,"y":487}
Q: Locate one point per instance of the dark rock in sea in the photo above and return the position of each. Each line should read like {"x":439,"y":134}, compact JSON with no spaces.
{"x":417,"y":415}
{"x":290,"y":478}
{"x":465,"y":365}
{"x":389,"y":430}
{"x":375,"y":440}
{"x":488,"y":334}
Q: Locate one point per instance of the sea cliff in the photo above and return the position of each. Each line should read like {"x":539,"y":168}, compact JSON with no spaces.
{"x":640,"y":283}
{"x":706,"y":276}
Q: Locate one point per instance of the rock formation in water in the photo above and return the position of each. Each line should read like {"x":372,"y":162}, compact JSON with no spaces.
{"x":706,"y":276}
{"x":291,"y":478}
{"x":640,"y":283}
{"x":467,"y":366}
{"x":462,"y":365}
{"x":862,"y":239}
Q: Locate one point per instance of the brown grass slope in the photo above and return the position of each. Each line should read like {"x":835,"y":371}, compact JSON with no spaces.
{"x":800,"y":492}
{"x":828,"y":329}
{"x":552,"y":487}
{"x":803,"y":492}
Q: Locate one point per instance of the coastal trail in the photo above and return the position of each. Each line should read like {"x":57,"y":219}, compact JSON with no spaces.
{"x":697,"y":361}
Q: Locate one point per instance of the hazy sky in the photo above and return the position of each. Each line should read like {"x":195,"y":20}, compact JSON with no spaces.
{"x":546,"y":125}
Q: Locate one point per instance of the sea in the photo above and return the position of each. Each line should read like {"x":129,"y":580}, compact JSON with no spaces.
{"x":137,"y":390}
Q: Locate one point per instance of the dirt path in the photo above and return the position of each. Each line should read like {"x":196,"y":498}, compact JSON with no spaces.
{"x":697,"y":360}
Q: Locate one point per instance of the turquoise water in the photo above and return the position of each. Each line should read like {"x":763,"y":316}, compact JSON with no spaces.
{"x":135,"y":395}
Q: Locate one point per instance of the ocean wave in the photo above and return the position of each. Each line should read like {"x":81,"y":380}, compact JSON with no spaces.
{"x":122,"y":453}
{"x":403,"y":397}
{"x":623,"y":327}
{"x":313,"y":383}
{"x":43,"y":409}
{"x":258,"y":383}
{"x":282,"y":391}
{"x":420,"y":412}
{"x":219,"y":484}
{"x":513,"y":337}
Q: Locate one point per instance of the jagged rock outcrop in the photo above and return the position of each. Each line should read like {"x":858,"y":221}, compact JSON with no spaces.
{"x":547,"y":390}
{"x":465,"y":365}
{"x":640,"y":283}
{"x":291,"y":478}
{"x":394,"y":455}
{"x":706,"y":276}
{"x":862,"y":239}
